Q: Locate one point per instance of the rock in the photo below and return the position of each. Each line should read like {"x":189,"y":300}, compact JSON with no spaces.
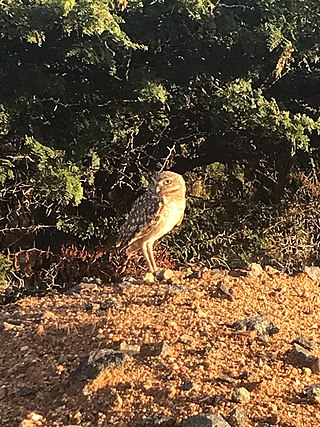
{"x":85,"y":285}
{"x":176,"y":288}
{"x":27,"y":392}
{"x":90,"y":366}
{"x":129,"y":282}
{"x":6,"y":326}
{"x":158,"y":349}
{"x":148,"y":277}
{"x":237,"y":417}
{"x":105,"y":305}
{"x":271,"y":270}
{"x":159,"y":420}
{"x":133,"y":280}
{"x":198,"y":274}
{"x":187,"y":385}
{"x":130,"y":349}
{"x":255,"y":270}
{"x":92,"y":306}
{"x":241,"y":395}
{"x":312,"y":272}
{"x":272,"y":420}
{"x":186,"y":339}
{"x":312,"y":394}
{"x":194,"y":275}
{"x":303,"y":342}
{"x":223,"y":291}
{"x":95,"y":280}
{"x":238,"y":273}
{"x":301,"y":357}
{"x":165,"y":274}
{"x":205,"y":420}
{"x":263,"y":326}
{"x":217,"y":399}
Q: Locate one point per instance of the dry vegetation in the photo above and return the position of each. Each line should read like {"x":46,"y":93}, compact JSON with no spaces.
{"x":202,"y":360}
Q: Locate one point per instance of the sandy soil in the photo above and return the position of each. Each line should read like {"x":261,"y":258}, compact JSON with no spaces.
{"x":182,"y":355}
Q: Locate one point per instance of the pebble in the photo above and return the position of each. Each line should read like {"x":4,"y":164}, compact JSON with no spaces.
{"x":186,"y":339}
{"x":241,"y":395}
{"x":92,"y":306}
{"x":255,"y":270}
{"x":223,"y":291}
{"x":312,"y":394}
{"x":260,"y":324}
{"x":131,"y":349}
{"x":98,"y":360}
{"x":272,"y":420}
{"x":187,"y":385}
{"x":158,"y":349}
{"x":148,"y":277}
{"x":197,"y":274}
{"x":301,"y":357}
{"x":237,"y":417}
{"x":27,"y":392}
{"x":165,"y":274}
{"x":159,"y":420}
{"x":206,"y":420}
{"x":303,"y":342}
{"x":6,"y":326}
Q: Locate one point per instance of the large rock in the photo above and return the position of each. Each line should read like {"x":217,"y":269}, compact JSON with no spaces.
{"x":206,"y":420}
{"x":91,"y":365}
{"x":260,"y":324}
{"x":301,"y":357}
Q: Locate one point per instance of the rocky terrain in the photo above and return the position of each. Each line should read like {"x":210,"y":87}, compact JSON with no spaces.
{"x":191,"y":348}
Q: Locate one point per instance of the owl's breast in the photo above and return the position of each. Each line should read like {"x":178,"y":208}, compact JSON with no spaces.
{"x":171,"y":215}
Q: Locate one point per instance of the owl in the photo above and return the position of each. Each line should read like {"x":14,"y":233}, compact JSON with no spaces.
{"x":153,"y":215}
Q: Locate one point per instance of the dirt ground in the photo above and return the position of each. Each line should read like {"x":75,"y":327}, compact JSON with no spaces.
{"x":197,"y":364}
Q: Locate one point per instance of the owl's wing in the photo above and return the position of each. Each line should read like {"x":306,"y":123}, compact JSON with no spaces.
{"x":144,"y":213}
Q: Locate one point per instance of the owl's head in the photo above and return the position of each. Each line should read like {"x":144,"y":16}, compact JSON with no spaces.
{"x":167,"y":182}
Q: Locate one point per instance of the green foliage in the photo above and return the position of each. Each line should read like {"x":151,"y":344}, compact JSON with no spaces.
{"x":248,"y":110}
{"x":96,"y":95}
{"x":56,"y":180}
{"x":6,"y":170}
{"x":4,"y":121}
{"x":198,"y":9}
{"x":152,"y":91}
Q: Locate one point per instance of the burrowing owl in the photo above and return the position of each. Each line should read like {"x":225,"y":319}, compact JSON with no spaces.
{"x":153,"y":215}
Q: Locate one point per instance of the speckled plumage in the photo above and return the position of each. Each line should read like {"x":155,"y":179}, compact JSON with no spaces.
{"x":153,"y":215}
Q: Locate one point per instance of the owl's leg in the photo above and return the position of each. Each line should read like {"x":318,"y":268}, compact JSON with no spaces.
{"x":151,"y":256}
{"x":145,"y":253}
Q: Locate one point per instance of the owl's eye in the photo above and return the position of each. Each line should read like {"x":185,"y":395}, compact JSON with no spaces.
{"x":167,"y":181}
